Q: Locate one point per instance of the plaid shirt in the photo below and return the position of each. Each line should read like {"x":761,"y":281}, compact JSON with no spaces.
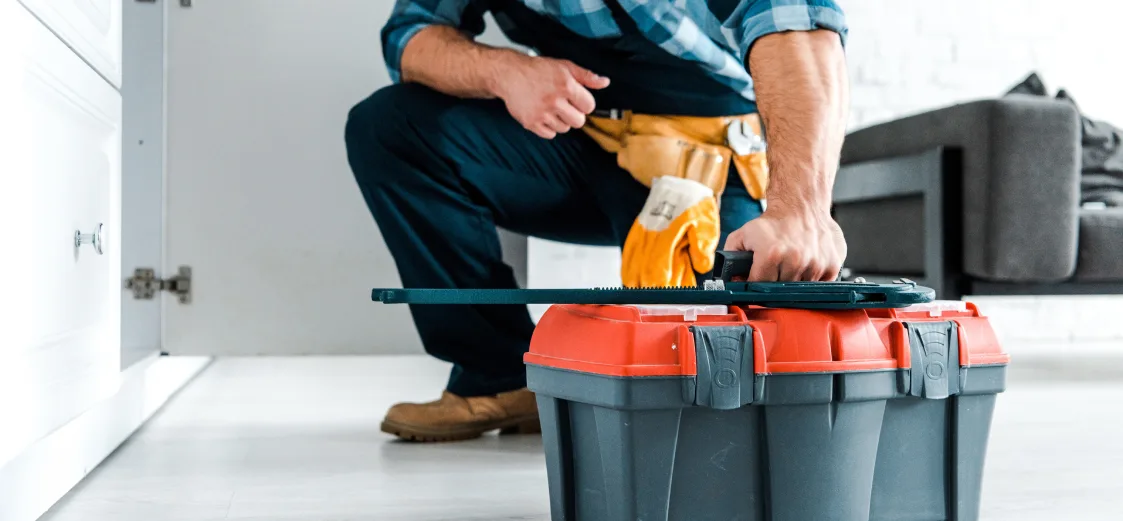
{"x":715,"y":33}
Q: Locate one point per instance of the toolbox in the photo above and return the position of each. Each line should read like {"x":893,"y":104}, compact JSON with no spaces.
{"x":758,"y":402}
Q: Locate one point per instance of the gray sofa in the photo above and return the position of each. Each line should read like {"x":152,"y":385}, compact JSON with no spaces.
{"x":977,"y":198}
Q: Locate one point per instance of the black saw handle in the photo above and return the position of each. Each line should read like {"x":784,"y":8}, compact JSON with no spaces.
{"x":730,"y":264}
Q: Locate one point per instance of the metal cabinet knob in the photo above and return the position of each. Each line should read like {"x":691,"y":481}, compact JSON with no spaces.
{"x":93,"y":239}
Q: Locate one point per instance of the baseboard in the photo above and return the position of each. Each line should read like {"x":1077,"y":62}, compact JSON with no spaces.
{"x":1063,"y":325}
{"x":41,"y":475}
{"x":1064,"y":364}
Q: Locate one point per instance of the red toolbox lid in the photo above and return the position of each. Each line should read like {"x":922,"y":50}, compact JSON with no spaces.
{"x":634,"y":341}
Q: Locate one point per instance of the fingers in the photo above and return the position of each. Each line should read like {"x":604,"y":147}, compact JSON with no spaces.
{"x":822,"y":271}
{"x":833,"y":269}
{"x":778,"y":263}
{"x":555,"y":124}
{"x":812,"y":273}
{"x":766,"y":268}
{"x":794,"y":267}
{"x":586,"y":77}
{"x":821,"y":268}
{"x":766,"y":264}
{"x":830,"y":271}
{"x":791,"y":267}
{"x":564,"y":106}
{"x":776,"y":266}
{"x":570,"y":116}
{"x":550,"y":125}
{"x":580,"y":98}
{"x":734,"y":242}
{"x":543,"y":131}
{"x":826,"y":266}
{"x":565,"y":118}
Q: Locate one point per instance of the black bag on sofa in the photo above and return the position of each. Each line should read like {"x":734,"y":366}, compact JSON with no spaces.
{"x":1102,"y":149}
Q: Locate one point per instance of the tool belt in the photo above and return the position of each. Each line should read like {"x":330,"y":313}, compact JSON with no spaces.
{"x":690,"y":147}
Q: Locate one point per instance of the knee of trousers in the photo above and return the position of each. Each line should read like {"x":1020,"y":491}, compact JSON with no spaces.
{"x":382,"y":129}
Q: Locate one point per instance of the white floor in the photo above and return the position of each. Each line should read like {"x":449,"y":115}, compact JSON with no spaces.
{"x":297,"y":440}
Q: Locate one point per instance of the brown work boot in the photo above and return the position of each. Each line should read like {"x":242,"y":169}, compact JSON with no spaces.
{"x":455,"y":418}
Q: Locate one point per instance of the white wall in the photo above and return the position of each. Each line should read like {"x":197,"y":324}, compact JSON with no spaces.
{"x":909,"y":55}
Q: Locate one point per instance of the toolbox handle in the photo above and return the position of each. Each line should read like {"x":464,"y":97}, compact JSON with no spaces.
{"x":730,"y":264}
{"x":726,"y":373}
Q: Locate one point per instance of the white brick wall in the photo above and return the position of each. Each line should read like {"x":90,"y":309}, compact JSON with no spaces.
{"x":906,"y":56}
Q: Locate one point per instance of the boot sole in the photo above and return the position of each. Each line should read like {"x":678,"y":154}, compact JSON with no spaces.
{"x":523,"y":425}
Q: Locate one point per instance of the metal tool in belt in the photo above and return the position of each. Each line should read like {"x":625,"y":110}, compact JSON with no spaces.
{"x":722,"y":289}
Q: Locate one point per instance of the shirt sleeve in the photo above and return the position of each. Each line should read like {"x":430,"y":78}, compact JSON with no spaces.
{"x":752,"y":19}
{"x":410,"y":16}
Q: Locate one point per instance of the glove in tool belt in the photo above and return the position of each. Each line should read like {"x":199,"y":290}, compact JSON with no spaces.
{"x":685,"y":161}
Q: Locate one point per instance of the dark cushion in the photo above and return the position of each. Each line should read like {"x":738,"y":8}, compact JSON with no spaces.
{"x":1101,"y":245}
{"x":1021,"y":180}
{"x":884,"y":236}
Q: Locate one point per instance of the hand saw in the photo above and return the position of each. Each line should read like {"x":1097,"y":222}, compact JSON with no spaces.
{"x":722,"y":289}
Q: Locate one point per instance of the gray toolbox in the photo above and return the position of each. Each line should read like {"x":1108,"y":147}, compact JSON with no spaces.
{"x":696,"y":413}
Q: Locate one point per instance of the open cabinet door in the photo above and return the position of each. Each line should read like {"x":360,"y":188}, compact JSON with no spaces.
{"x":142,"y":173}
{"x":262,"y":207}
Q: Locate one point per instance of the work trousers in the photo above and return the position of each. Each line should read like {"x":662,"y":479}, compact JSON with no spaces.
{"x":440,"y":173}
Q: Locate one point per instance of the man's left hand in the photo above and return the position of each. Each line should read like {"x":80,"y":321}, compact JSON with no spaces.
{"x":791,"y":244}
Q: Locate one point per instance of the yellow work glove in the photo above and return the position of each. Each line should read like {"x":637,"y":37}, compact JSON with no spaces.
{"x":675,"y":235}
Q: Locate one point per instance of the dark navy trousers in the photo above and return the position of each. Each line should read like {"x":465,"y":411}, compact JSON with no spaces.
{"x":440,"y":173}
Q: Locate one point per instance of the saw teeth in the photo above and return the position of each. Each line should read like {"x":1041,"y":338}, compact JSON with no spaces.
{"x":649,"y":288}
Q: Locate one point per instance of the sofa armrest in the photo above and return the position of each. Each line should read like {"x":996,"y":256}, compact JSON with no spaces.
{"x":1020,"y":180}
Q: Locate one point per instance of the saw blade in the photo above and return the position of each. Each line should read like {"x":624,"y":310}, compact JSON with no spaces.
{"x":811,"y":296}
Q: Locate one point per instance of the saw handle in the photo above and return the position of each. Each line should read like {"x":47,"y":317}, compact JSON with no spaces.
{"x":730,"y":264}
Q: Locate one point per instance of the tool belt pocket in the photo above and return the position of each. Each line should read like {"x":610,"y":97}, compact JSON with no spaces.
{"x":648,"y":156}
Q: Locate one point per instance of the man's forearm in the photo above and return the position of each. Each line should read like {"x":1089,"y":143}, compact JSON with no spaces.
{"x":446,"y":60}
{"x":802,"y":94}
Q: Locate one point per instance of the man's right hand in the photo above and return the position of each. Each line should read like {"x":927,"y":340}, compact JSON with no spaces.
{"x":547,"y":96}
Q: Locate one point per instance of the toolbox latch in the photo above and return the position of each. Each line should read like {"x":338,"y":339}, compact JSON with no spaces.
{"x":934,"y":348}
{"x":725,"y":366}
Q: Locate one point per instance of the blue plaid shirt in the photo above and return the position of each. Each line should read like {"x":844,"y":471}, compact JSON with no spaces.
{"x":714,"y":33}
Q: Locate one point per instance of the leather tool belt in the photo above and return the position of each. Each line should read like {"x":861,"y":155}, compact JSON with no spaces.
{"x":695,"y":148}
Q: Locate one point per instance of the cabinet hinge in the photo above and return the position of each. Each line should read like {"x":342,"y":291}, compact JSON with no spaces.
{"x":144,"y":284}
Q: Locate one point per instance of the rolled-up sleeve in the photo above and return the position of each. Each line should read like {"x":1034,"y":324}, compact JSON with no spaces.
{"x":410,"y":16}
{"x":753,"y":19}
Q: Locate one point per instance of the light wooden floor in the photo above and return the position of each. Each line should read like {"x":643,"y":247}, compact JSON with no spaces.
{"x":297,"y":440}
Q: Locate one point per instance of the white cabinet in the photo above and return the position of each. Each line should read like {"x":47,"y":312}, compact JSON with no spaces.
{"x":59,"y":174}
{"x":91,"y":27}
